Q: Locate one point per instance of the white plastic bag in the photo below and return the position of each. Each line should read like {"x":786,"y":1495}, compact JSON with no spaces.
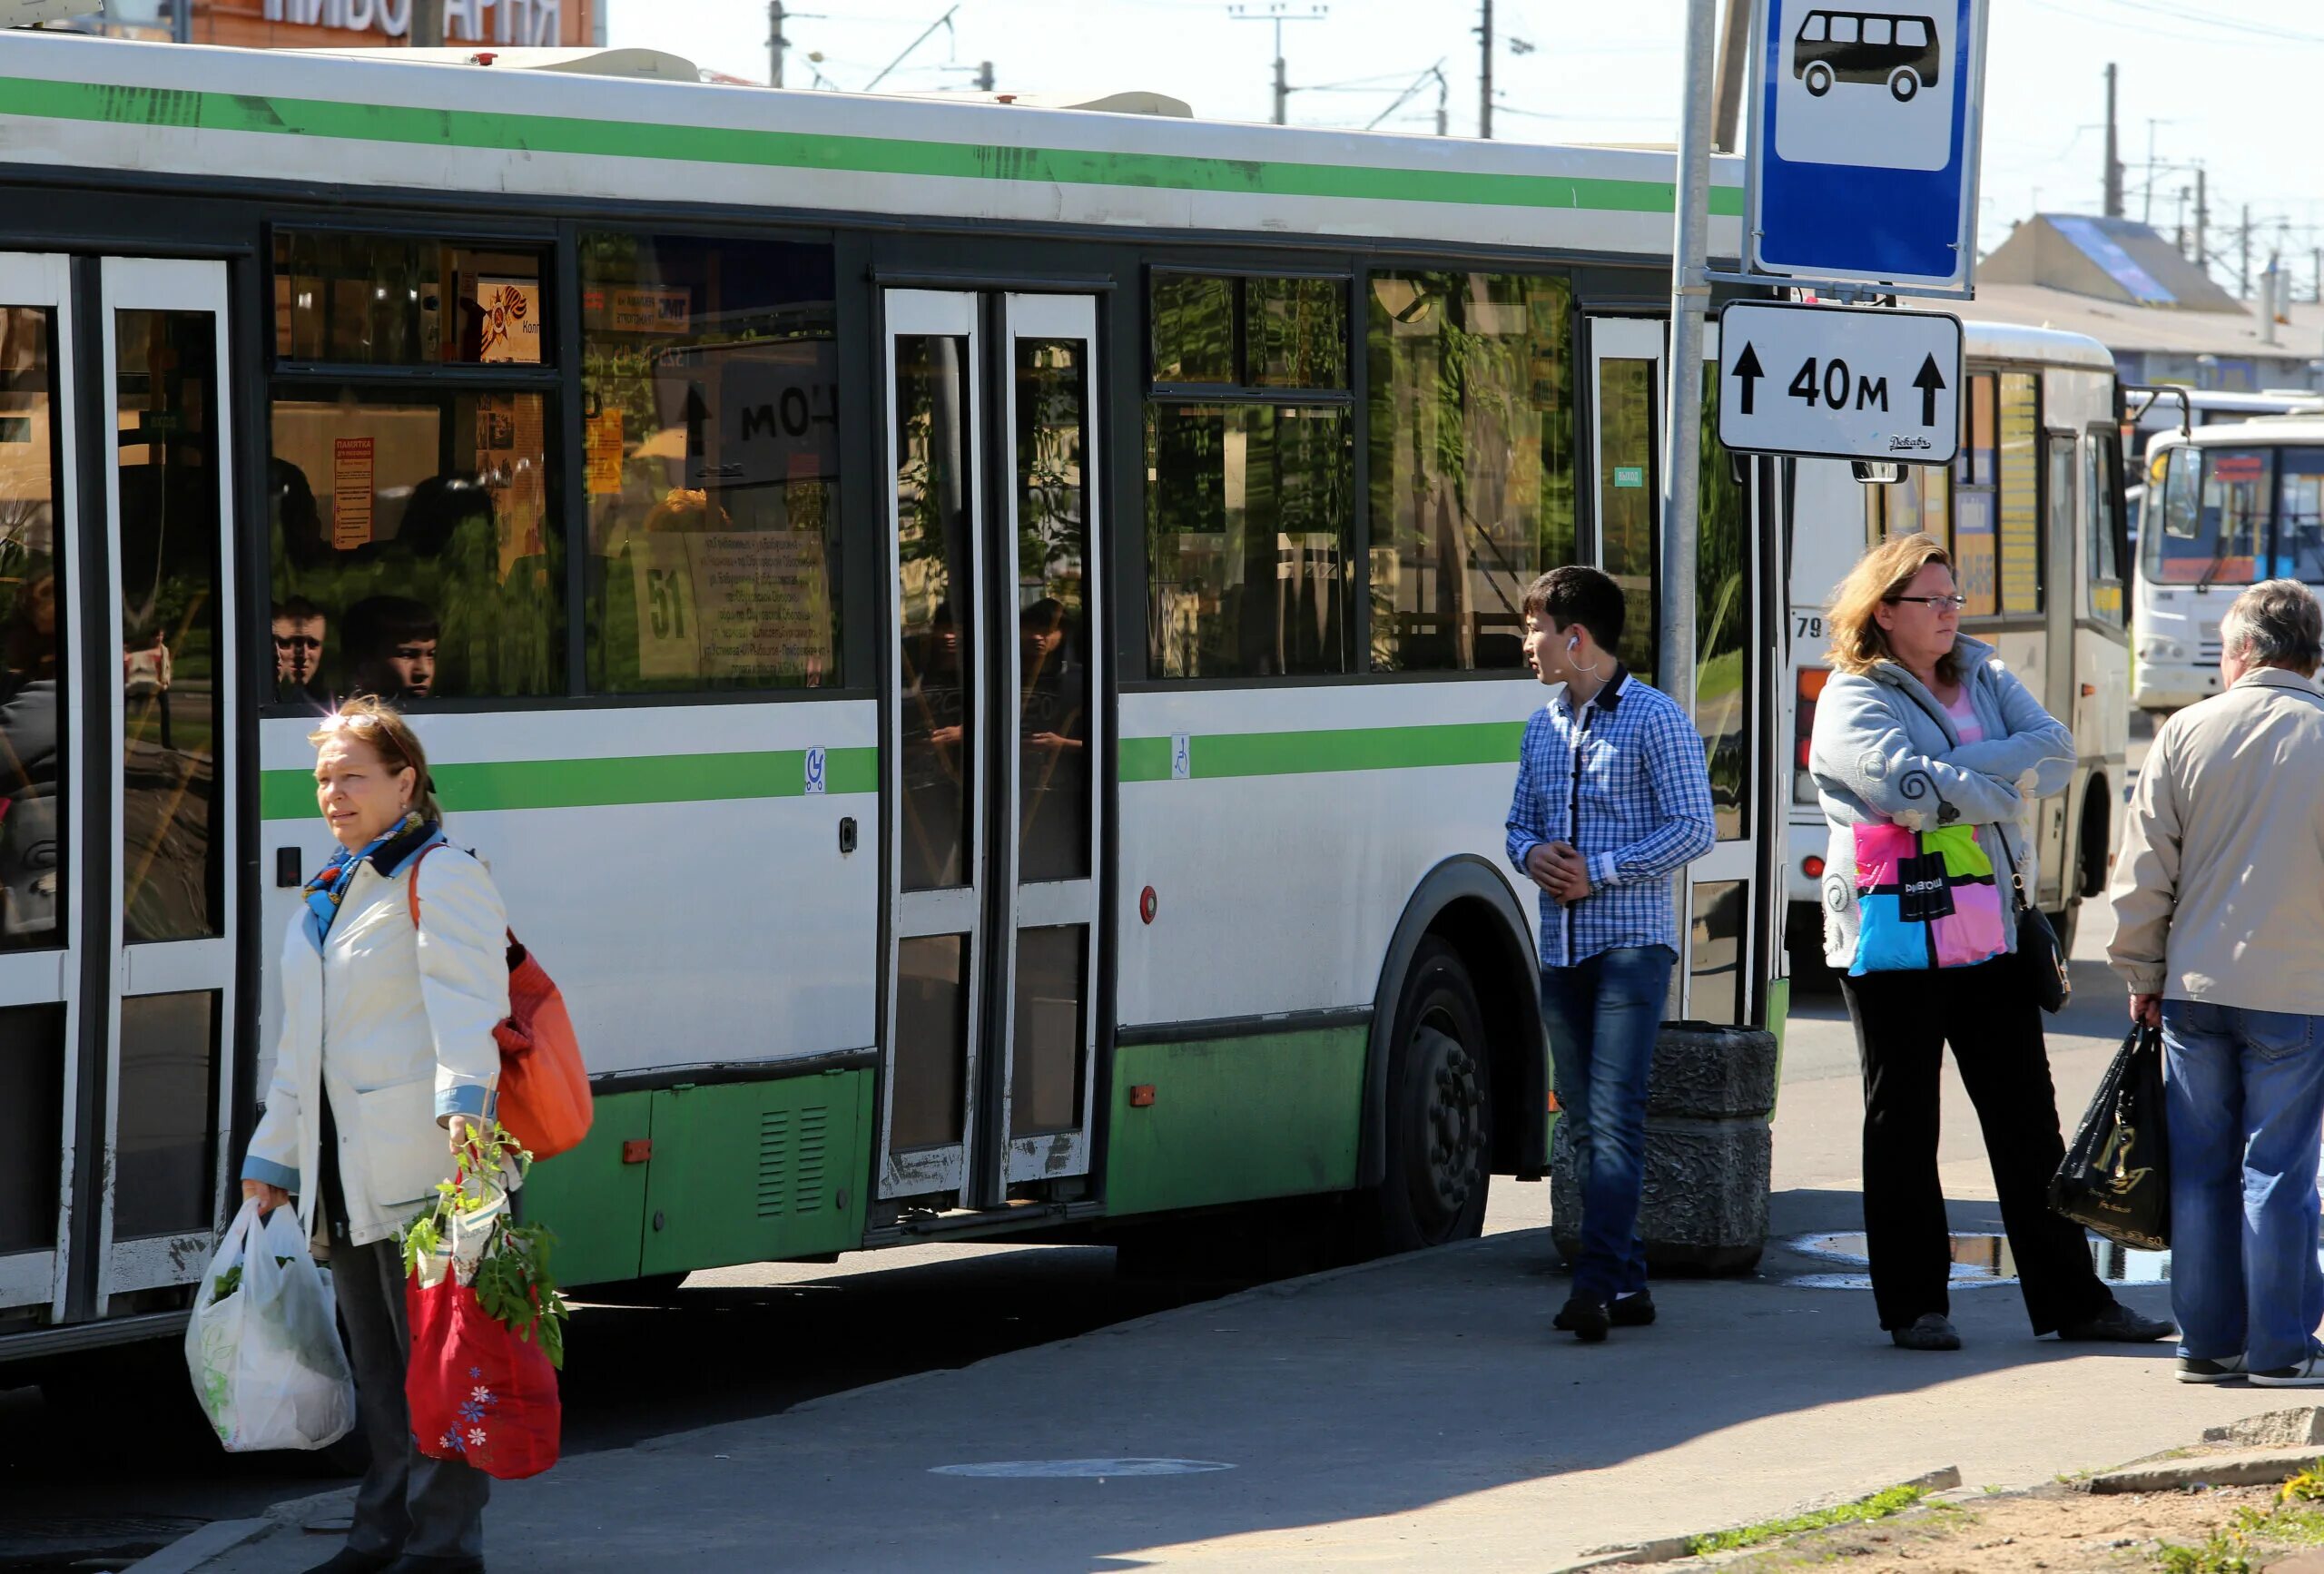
{"x":265,"y":1354}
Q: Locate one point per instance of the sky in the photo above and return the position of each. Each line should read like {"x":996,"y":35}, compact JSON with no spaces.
{"x":2228,"y":83}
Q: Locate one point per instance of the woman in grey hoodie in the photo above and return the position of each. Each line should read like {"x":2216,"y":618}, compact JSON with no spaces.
{"x":1928,"y":756}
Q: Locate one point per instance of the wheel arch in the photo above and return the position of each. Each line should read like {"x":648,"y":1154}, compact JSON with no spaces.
{"x":1469,"y":902}
{"x":2092,"y":852}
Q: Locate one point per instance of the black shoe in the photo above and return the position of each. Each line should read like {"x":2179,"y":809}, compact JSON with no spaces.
{"x":2117,"y":1324}
{"x":348,"y":1560}
{"x":1631,"y":1311}
{"x":1928,"y":1331}
{"x":1585,"y":1317}
{"x":413,"y":1563}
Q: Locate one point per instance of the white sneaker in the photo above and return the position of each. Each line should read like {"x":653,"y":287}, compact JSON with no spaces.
{"x":2308,"y":1374}
{"x":2195,"y":1369}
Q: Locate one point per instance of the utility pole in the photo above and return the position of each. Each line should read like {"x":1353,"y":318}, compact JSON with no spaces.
{"x":2202,"y":222}
{"x":1734,"y":72}
{"x":774,"y":43}
{"x":2179,"y":238}
{"x":428,"y":24}
{"x":1674,"y":656}
{"x":1484,"y":74}
{"x":984,"y":76}
{"x":1276,"y":13}
{"x":2243,"y":289}
{"x":2114,"y":159}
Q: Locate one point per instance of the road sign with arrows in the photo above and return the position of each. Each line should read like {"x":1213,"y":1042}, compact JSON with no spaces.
{"x":1840,"y":382}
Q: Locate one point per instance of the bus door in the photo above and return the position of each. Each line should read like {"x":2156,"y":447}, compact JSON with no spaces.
{"x":993,"y":689}
{"x":117,"y":820}
{"x":1724,"y":923}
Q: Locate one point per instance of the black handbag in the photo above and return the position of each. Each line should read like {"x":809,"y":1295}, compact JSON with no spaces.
{"x":2039,"y":953}
{"x":2116,"y":1177}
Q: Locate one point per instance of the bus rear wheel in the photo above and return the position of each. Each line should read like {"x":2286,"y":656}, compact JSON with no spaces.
{"x":1904,"y":85}
{"x":1439,"y":1114}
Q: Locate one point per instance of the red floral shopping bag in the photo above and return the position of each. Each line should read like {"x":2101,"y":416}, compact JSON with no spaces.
{"x":486,"y":1334}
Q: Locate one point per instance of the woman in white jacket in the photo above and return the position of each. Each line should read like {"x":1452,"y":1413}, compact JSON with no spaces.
{"x":386,"y":1066}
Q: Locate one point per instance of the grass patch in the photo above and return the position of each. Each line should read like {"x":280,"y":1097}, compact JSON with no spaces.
{"x":2294,"y":1521}
{"x":1880,"y":1505}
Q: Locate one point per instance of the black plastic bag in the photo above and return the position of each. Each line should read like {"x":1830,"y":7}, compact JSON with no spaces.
{"x":2116,"y":1180}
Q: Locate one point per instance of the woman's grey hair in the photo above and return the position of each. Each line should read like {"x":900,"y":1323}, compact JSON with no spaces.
{"x":2276,"y":622}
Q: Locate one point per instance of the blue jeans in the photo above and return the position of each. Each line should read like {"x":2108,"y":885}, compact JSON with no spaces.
{"x":1602,"y":1014}
{"x":2245,"y":1094}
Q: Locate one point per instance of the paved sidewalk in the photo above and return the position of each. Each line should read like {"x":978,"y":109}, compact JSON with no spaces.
{"x":1413,"y":1414}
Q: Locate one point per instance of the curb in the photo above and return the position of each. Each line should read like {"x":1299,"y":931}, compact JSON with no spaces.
{"x":195,"y":1548}
{"x":2253,"y":1467}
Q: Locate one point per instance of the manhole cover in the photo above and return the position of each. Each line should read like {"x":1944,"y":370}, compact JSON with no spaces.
{"x":1977,"y":1260}
{"x":1054,"y":1470}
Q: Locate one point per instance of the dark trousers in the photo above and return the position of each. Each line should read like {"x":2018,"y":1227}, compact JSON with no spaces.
{"x":1986,"y":1013}
{"x":408,"y":1502}
{"x":1602,"y":1014}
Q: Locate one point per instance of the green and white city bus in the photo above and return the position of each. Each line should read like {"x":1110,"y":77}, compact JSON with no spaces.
{"x":981,"y":643}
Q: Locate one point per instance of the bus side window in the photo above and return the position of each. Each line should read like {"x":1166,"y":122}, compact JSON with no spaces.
{"x":1844,"y":29}
{"x":1912,"y":33}
{"x":1876,"y":30}
{"x":1812,"y":30}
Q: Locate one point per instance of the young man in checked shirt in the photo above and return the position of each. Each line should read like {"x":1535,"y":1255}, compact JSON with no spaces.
{"x":1612,"y":799}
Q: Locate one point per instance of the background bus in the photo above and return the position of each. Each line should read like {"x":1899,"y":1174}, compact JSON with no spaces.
{"x":2031,"y":510}
{"x":2232,"y":504}
{"x":982,"y":650}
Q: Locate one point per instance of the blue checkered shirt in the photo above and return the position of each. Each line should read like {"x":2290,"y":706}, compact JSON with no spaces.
{"x":1642,"y":814}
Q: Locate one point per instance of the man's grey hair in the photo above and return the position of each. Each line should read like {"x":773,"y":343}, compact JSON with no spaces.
{"x":2276,"y":622}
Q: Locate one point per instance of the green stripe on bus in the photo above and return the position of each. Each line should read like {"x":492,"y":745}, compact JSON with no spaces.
{"x":540,"y":134}
{"x":593,"y":783}
{"x":1338,"y":749}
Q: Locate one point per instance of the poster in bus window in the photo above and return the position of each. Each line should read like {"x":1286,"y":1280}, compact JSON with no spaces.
{"x":729,"y":604}
{"x":509,"y":312}
{"x":352,"y":474}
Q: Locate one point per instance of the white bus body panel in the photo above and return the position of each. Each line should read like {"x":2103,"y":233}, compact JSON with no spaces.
{"x":747,"y":936}
{"x":1280,"y":893}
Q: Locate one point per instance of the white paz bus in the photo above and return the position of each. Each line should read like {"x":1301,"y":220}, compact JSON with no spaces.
{"x":2032,"y":511}
{"x":2227,"y":506}
{"x":979,"y":643}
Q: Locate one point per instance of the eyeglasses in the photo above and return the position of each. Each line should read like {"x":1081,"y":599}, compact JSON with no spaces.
{"x":1938,"y":602}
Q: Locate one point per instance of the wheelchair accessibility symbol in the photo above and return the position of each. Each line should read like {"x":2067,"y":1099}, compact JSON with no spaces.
{"x":814,"y":771}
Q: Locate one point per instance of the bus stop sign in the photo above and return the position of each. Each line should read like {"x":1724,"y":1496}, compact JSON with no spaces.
{"x":1864,"y":162}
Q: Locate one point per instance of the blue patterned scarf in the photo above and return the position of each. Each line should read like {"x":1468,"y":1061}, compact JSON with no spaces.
{"x":386,"y":851}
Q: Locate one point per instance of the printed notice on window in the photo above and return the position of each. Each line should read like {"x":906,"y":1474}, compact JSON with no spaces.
{"x":351,"y":471}
{"x":603,"y":435}
{"x":732,"y":605}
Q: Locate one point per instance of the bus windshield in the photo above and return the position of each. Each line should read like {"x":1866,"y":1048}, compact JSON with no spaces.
{"x":2300,"y":517}
{"x":2216,"y":503}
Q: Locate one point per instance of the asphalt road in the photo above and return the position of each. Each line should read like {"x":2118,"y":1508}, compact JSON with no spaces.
{"x":117,"y":1461}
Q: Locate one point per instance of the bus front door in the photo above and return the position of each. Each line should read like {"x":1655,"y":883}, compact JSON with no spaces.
{"x":1728,"y":925}
{"x":117,"y":810}
{"x":993,"y":689}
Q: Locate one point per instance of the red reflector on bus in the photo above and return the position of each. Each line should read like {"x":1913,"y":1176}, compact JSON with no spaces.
{"x":1146,"y":905}
{"x":1812,"y":867}
{"x":1141,"y":1095}
{"x":638,"y":1151}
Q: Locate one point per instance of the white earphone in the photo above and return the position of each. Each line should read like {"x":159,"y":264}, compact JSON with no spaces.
{"x":1575,"y":645}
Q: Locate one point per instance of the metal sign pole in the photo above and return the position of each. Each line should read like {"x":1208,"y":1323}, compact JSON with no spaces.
{"x":1674,"y":655}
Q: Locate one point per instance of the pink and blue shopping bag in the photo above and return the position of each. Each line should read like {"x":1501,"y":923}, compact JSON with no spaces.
{"x":1923,"y":899}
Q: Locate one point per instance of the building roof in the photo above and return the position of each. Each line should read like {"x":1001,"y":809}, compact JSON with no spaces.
{"x":2116,"y":260}
{"x":2122,"y":326}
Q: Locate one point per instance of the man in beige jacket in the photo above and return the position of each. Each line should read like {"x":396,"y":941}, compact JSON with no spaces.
{"x":2219,"y":908}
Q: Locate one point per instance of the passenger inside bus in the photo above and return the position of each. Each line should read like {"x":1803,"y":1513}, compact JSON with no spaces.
{"x":390,"y":646}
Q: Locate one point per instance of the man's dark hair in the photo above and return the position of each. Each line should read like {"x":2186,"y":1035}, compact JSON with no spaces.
{"x":1574,"y":595}
{"x":378,"y":624}
{"x":297,"y":607}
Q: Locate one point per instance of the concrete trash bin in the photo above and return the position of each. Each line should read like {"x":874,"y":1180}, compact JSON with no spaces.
{"x":1708,"y":1153}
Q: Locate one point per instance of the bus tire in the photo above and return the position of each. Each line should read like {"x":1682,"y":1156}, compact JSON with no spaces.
{"x":1439,"y":1117}
{"x":1904,"y":85}
{"x":1818,"y":78}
